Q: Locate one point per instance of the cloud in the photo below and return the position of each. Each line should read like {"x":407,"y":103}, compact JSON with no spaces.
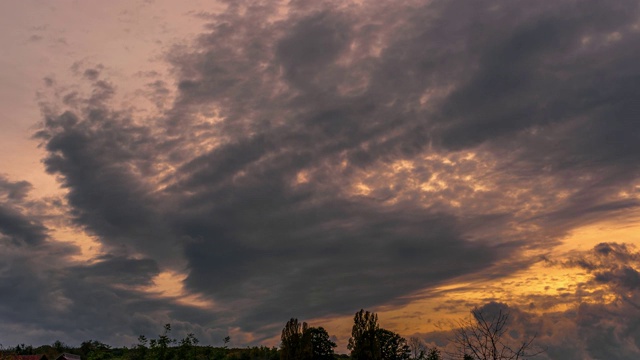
{"x":47,"y":293}
{"x":607,"y":330}
{"x":322,"y":159}
{"x":590,"y":328}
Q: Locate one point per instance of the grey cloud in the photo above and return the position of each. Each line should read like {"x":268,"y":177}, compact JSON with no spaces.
{"x":101,"y":156}
{"x":109,"y":269}
{"x":46,"y":295}
{"x":587,"y":331}
{"x":612,"y":264}
{"x":312,"y":44}
{"x":362,"y":258}
{"x":608,"y":330}
{"x":247,"y":233}
{"x":20,"y":229}
{"x":14,"y":190}
{"x":91,"y":74}
{"x":15,"y":226}
{"x":246,"y":177}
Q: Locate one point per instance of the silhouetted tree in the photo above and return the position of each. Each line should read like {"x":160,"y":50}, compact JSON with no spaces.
{"x":482,"y":337}
{"x":95,"y":350}
{"x":417,"y":347}
{"x":160,"y":347}
{"x":364,"y":343}
{"x":187,"y":349}
{"x":317,"y":344}
{"x":59,"y":346}
{"x":301,"y":342}
{"x":433,"y":354}
{"x":140,"y":350}
{"x":291,"y":340}
{"x":22,"y":349}
{"x":392,"y":345}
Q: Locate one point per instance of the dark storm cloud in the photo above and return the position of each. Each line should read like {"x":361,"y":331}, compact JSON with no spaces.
{"x":318,"y":261}
{"x":20,"y":229}
{"x":16,"y":227}
{"x":104,"y":158}
{"x":247,"y":180}
{"x":125,"y":271}
{"x":46,"y":295}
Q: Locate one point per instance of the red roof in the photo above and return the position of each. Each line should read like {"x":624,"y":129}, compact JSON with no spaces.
{"x":32,"y":357}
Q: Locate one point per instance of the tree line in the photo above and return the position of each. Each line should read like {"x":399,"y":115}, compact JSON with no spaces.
{"x":368,"y":342}
{"x":482,"y":336}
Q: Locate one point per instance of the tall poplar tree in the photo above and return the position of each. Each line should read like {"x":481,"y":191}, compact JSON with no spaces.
{"x":364,"y":344}
{"x":291,"y":347}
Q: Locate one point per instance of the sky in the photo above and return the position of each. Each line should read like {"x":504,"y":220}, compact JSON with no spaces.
{"x":224,"y":166}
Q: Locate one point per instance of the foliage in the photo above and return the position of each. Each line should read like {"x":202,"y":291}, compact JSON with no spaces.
{"x":370,"y":342}
{"x":392,"y":345}
{"x":364,"y":342}
{"x":291,"y":340}
{"x":160,"y":347}
{"x":187,"y":348}
{"x":301,"y":342}
{"x":95,"y":350}
{"x":317,"y":344}
{"x":433,"y":354}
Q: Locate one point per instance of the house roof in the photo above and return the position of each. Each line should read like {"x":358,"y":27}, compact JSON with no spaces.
{"x":32,"y":357}
{"x":67,"y":356}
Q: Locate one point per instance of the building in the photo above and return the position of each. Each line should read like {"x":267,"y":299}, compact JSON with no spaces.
{"x":67,"y":356}
{"x":32,"y":357}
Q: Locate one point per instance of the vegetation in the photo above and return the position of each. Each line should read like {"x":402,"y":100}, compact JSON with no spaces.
{"x":301,"y":342}
{"x":481,"y":337}
{"x":370,"y":342}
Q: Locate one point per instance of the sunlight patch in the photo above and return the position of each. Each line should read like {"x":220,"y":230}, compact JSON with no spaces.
{"x":170,"y":285}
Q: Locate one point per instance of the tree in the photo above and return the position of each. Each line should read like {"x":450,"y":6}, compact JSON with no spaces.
{"x":187,"y":349}
{"x":364,"y":343}
{"x":160,"y":347}
{"x":301,"y":342}
{"x":370,"y":342}
{"x":59,"y":346}
{"x":392,"y":345}
{"x":140,"y":350}
{"x":95,"y":350}
{"x":417,"y":348}
{"x":316,"y":344}
{"x":291,"y":340}
{"x":482,"y":337}
{"x":433,"y":354}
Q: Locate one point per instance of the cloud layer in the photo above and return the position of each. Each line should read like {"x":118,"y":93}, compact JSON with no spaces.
{"x":312,"y":160}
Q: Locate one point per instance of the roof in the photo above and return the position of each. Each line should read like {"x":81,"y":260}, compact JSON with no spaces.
{"x":32,"y":357}
{"x":67,"y":356}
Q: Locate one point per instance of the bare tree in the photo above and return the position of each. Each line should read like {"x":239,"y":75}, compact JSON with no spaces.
{"x":482,"y":337}
{"x":417,"y":348}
